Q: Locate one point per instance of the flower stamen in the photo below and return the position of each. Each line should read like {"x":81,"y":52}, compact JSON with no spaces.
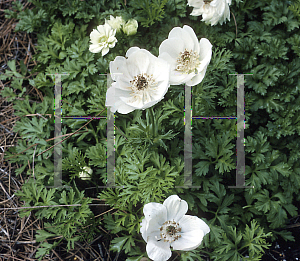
{"x":187,"y":61}
{"x":143,"y":84}
{"x":143,"y":81}
{"x":169,"y":231}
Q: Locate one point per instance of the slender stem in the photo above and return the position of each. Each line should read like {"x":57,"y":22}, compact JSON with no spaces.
{"x":235,"y":24}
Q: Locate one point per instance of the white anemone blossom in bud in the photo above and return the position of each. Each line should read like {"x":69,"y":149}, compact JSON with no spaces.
{"x":141,"y":81}
{"x":188,"y":58}
{"x":86,"y":173}
{"x":102,"y":38}
{"x":166,"y":225}
{"x":212,"y":11}
{"x":130,"y":28}
{"x":115,"y":23}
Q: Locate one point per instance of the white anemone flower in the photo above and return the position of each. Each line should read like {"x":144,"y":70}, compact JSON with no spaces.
{"x":212,"y":11}
{"x":166,"y":225}
{"x":141,"y":81}
{"x":102,"y":39}
{"x":188,"y":58}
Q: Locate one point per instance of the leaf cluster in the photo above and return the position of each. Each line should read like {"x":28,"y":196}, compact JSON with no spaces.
{"x":57,"y":207}
{"x":148,"y":11}
{"x":252,"y":240}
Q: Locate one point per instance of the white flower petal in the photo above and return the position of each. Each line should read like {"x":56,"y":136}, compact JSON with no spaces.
{"x":150,"y":104}
{"x":100,"y":29}
{"x":119,"y":70}
{"x":110,"y":95}
{"x":193,"y":229}
{"x":159,"y":94}
{"x":124,"y":108}
{"x":95,"y":48}
{"x":196,"y":12}
{"x":185,"y":34}
{"x":169,"y":59}
{"x":205,"y":51}
{"x":132,"y":50}
{"x":95,"y":36}
{"x":105,"y":51}
{"x":135,"y":102}
{"x":143,"y":229}
{"x":226,"y":14}
{"x":171,"y":46}
{"x":196,"y":79}
{"x":150,"y":229}
{"x":115,"y":23}
{"x":111,"y":42}
{"x":195,"y":3}
{"x":116,"y":67}
{"x":141,"y":59}
{"x":120,"y":92}
{"x":115,"y":102}
{"x":155,"y":211}
{"x":123,"y":84}
{"x":138,"y":61}
{"x":160,"y":71}
{"x":193,"y":37}
{"x":158,"y":250}
{"x":176,"y":208}
{"x":212,"y":13}
{"x":176,"y":78}
{"x":187,"y":242}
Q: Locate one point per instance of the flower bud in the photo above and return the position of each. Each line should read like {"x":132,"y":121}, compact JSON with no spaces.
{"x":130,"y":28}
{"x":115,"y":23}
{"x":86,"y":173}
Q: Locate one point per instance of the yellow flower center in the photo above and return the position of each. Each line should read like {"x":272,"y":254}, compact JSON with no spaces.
{"x":142,"y":81}
{"x":187,"y":62}
{"x":168,"y":231}
{"x":143,"y":84}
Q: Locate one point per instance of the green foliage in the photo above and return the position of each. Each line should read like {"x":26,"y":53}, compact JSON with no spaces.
{"x":16,"y":6}
{"x":75,"y":162}
{"x":148,"y":181}
{"x":190,"y":256}
{"x":295,"y":8}
{"x":17,"y":81}
{"x":149,"y":144}
{"x":253,"y":239}
{"x":217,"y":150}
{"x":31,"y":20}
{"x":275,"y":210}
{"x":154,"y":10}
{"x":57,"y":206}
{"x":148,"y":131}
